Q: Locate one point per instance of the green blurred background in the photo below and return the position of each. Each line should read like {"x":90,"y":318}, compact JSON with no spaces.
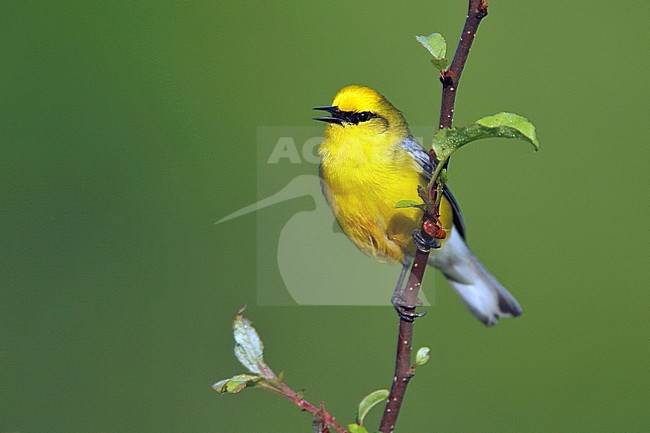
{"x":128,"y":128}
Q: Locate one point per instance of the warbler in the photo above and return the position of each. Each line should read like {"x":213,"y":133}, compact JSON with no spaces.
{"x":369,"y":162}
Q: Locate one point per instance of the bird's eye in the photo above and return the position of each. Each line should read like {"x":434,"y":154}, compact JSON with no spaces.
{"x":364,"y":116}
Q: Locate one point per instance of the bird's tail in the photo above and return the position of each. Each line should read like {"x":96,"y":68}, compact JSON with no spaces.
{"x":483,"y":295}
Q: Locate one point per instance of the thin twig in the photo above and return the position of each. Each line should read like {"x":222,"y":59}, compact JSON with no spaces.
{"x":450,"y":78}
{"x":285,"y":391}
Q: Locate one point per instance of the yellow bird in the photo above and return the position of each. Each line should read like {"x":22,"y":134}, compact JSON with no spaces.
{"x":369,"y":162}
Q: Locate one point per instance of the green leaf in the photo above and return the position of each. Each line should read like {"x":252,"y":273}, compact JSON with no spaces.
{"x":356,"y":428}
{"x":248,"y":345}
{"x":236,"y":383}
{"x":409,"y":203}
{"x":369,"y":402}
{"x":511,"y":125}
{"x":507,"y":125}
{"x":423,"y":355}
{"x":437,"y":46}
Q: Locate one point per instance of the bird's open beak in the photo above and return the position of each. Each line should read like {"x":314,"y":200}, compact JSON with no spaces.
{"x":335,"y":117}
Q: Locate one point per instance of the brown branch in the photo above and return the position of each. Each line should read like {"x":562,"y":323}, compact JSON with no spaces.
{"x":450,"y":78}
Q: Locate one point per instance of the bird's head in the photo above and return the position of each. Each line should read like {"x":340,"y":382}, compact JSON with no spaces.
{"x":361,"y":111}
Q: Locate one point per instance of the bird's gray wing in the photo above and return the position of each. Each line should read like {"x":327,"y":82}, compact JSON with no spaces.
{"x":421,"y":158}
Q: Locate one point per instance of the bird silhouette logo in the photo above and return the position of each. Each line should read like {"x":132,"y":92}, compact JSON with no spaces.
{"x":316,"y":262}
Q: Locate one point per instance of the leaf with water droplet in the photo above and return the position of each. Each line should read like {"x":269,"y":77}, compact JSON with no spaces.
{"x":435,"y":43}
{"x":370,"y":401}
{"x":506,"y":125}
{"x":511,"y":125}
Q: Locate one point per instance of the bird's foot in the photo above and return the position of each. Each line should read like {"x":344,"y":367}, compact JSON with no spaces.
{"x":424,"y":244}
{"x":405,"y":310}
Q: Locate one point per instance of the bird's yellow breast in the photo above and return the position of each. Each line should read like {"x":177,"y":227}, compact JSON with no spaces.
{"x":363,"y":178}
